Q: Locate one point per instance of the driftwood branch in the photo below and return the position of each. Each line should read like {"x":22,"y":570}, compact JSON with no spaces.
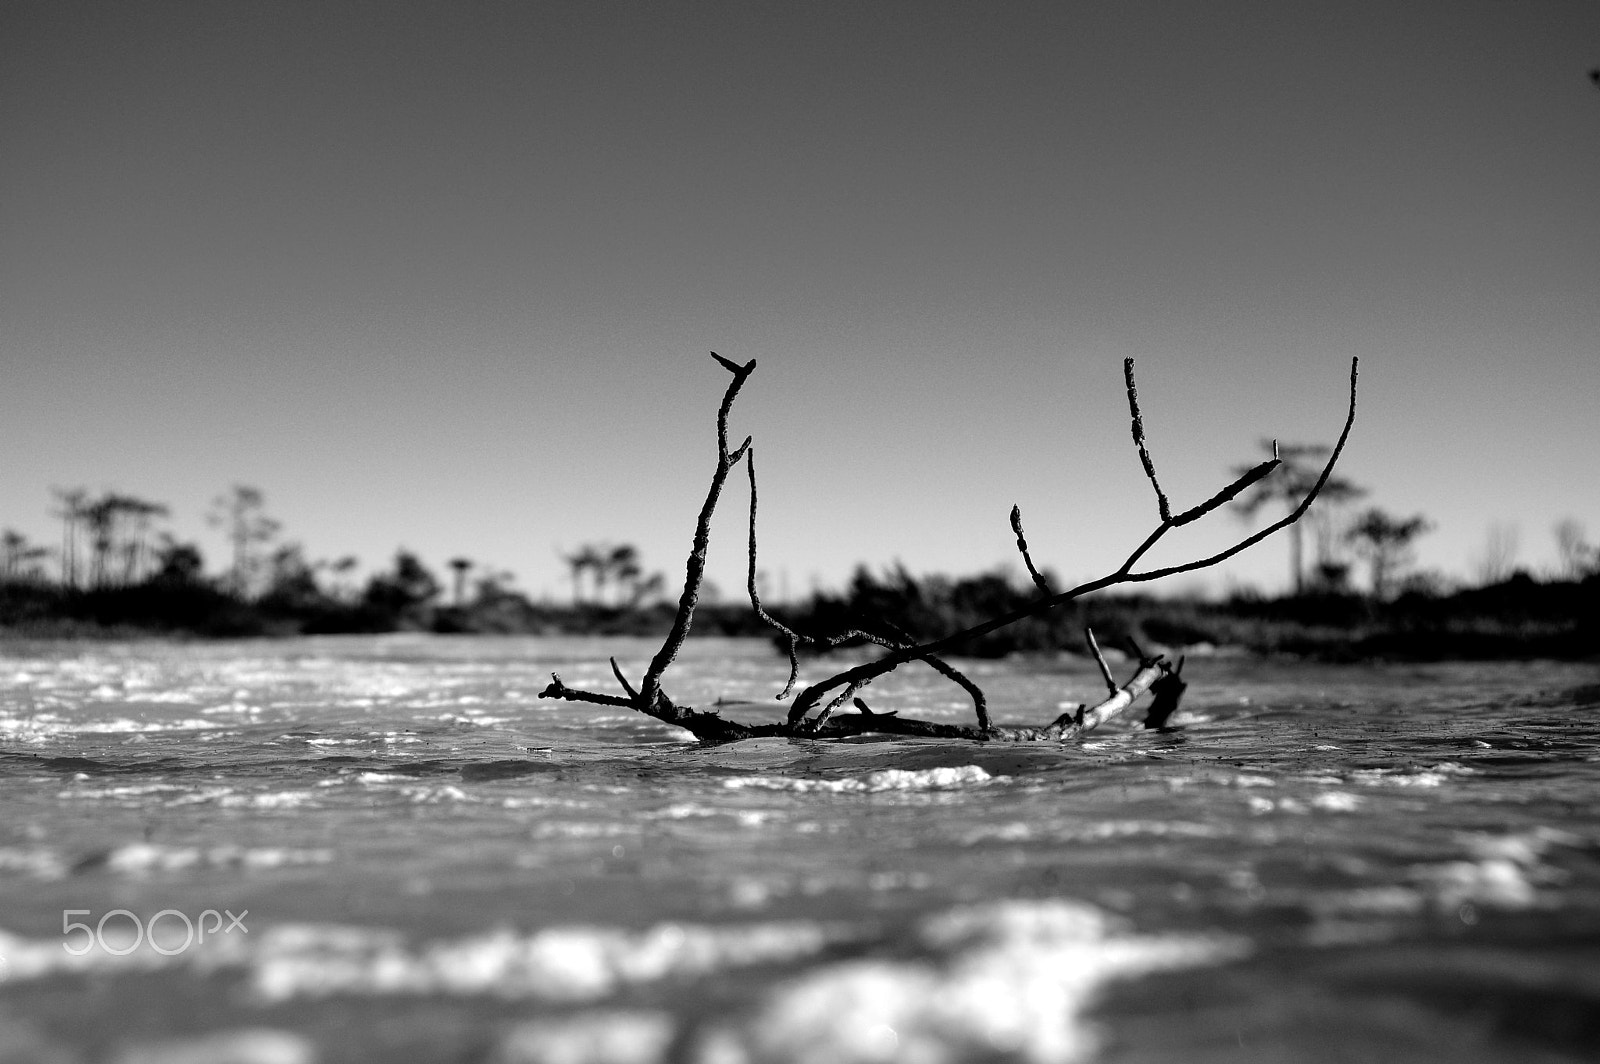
{"x":812,"y":717}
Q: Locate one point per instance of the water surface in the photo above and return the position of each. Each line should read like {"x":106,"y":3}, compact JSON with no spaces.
{"x":1321,"y":863}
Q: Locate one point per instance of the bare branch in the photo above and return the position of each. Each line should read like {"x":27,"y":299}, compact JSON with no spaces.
{"x":557,"y":689}
{"x":1022,"y":545}
{"x":1227,"y":494}
{"x":695,"y":568}
{"x":1150,"y":671}
{"x":1138,"y":439}
{"x":827,"y":710}
{"x":1124,"y":575}
{"x":1075,"y":722}
{"x":980,"y":703}
{"x":1282,"y":523}
{"x":616,"y":670}
{"x":755,"y":596}
{"x":1100,"y":660}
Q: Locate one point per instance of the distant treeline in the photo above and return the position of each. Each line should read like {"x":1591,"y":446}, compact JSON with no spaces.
{"x":115,"y":572}
{"x":1517,"y":618}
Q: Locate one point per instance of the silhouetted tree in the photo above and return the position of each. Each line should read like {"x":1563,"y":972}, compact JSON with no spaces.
{"x":1499,"y":556}
{"x":99,"y":518}
{"x":646,"y":589}
{"x":591,"y":559}
{"x":241,"y":514}
{"x":1576,"y":558}
{"x":341,"y":587}
{"x":141,"y":514}
{"x":1384,"y":541}
{"x":493,"y":584}
{"x":19,"y":559}
{"x":70,"y":505}
{"x":622,"y":565}
{"x":460,"y":566}
{"x":403,"y":594}
{"x":1331,"y":577}
{"x":119,"y":528}
{"x":291,"y":580}
{"x":178,"y":563}
{"x":1295,"y":478}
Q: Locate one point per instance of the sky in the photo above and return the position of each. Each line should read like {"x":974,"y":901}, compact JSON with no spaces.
{"x":445,"y":277}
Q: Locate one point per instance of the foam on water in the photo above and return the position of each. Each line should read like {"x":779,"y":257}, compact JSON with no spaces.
{"x":1012,"y":978}
{"x":1430,"y":776}
{"x":595,"y":1036}
{"x":567,"y":964}
{"x":889,"y":779}
{"x":142,"y":859}
{"x":145,"y":858}
{"x":44,"y":726}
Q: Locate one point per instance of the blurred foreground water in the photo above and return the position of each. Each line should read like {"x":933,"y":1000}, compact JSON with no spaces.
{"x":389,"y":849}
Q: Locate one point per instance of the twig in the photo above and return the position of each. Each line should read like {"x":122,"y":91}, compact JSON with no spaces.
{"x":1227,"y":494}
{"x":755,"y":596}
{"x":827,"y":710}
{"x":557,"y":689}
{"x":1100,"y":659}
{"x":616,"y":670}
{"x":980,"y":702}
{"x":1022,"y":545}
{"x":1138,"y":440}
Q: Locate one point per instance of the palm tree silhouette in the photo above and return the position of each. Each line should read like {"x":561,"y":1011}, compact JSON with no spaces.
{"x":460,"y":565}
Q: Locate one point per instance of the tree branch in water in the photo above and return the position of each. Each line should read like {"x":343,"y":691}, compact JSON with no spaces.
{"x":811,"y":717}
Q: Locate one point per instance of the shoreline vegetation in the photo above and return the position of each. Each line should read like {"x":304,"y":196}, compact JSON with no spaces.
{"x":1518,"y":618}
{"x":117,"y":574}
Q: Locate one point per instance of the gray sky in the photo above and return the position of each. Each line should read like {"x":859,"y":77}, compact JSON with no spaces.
{"x":444,"y":276}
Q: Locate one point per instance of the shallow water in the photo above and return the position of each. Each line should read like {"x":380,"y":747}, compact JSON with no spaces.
{"x":424,"y":861}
